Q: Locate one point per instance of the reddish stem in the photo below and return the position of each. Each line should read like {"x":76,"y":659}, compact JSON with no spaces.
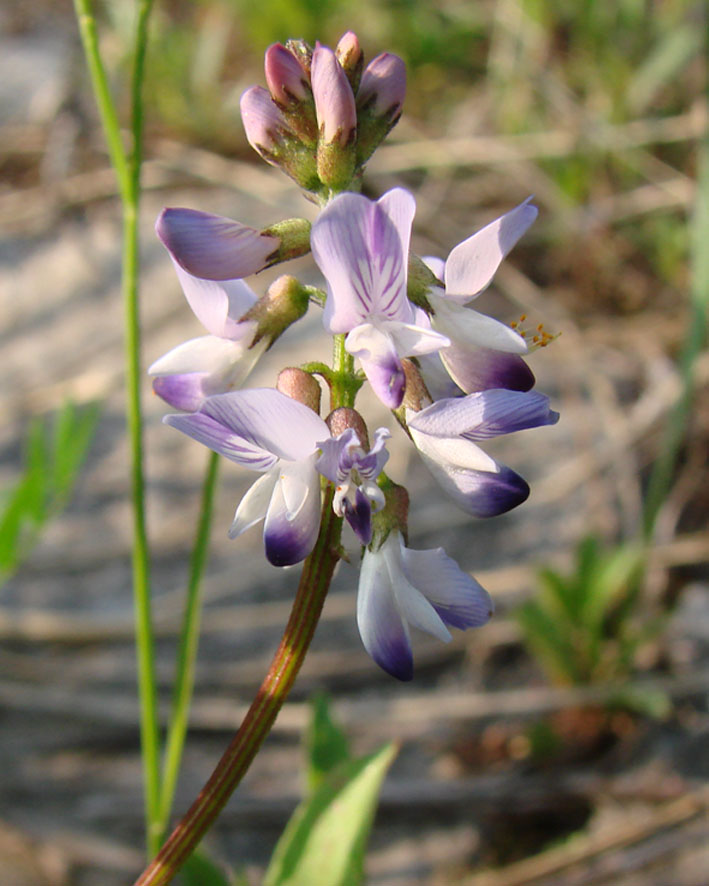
{"x":312,"y":590}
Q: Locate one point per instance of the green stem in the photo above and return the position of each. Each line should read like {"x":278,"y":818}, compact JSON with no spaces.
{"x":187,"y":653}
{"x":312,"y":590}
{"x":128,"y":174}
{"x":344,"y":385}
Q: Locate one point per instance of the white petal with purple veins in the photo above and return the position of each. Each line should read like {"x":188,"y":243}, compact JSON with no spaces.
{"x":216,"y":435}
{"x":472,"y":264}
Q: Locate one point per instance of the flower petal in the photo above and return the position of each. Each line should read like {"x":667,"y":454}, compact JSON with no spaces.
{"x":380,"y":362}
{"x":213,"y":247}
{"x":361,"y":248}
{"x":253,"y":506}
{"x":478,"y":369}
{"x":468,"y":328}
{"x":384,"y":633}
{"x":457,"y":597}
{"x":208,"y":354}
{"x":334,"y":99}
{"x":483,"y":415}
{"x":293,"y":517}
{"x":359,"y":516}
{"x":472,"y":264}
{"x":183,"y":391}
{"x":221,"y":438}
{"x":411,"y":340}
{"x":269,"y":420}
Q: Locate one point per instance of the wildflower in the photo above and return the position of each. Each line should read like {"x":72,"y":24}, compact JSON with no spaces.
{"x":445,"y":433}
{"x":354,"y":470}
{"x":266,"y":431}
{"x":399,"y":587}
{"x":362,"y":249}
{"x":483,"y":353}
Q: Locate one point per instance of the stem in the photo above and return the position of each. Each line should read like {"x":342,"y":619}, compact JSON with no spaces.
{"x":187,"y":653}
{"x":128,"y":171}
{"x":344,"y":385}
{"x":312,"y":590}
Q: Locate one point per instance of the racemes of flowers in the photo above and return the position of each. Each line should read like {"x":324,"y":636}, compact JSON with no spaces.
{"x":453,"y":377}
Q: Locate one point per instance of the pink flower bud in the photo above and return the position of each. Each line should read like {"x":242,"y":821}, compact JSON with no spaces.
{"x":334,"y":99}
{"x":349,"y":55}
{"x":383,"y":86}
{"x":301,"y":386}
{"x":263,"y":122}
{"x":286,"y":79}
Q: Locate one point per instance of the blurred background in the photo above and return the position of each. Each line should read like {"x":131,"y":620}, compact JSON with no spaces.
{"x":567,"y":742}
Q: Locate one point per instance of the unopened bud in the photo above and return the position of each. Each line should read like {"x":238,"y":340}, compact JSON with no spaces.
{"x":337,"y":119}
{"x":345,"y":417}
{"x":294,"y":237}
{"x":301,"y":386}
{"x":394,"y":516}
{"x":285,"y":302}
{"x":416,"y":395}
{"x":289,"y":86}
{"x":420,"y":279}
{"x":303,"y":52}
{"x":350,"y":56}
{"x":379,"y":102}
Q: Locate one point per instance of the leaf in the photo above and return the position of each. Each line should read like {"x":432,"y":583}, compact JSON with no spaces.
{"x":326,"y":744}
{"x":73,"y":431}
{"x":324,"y":841}
{"x":200,"y":870}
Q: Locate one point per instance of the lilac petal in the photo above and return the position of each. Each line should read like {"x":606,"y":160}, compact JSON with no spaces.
{"x":211,"y":432}
{"x":264,"y":124}
{"x":472,"y":264}
{"x":285,"y":77}
{"x":332,"y":450}
{"x":380,"y":362}
{"x":468,"y":328}
{"x":384,"y":634}
{"x":362,"y":250}
{"x":480,"y":416}
{"x":213,"y":247}
{"x":477,"y":369}
{"x":480,"y":493}
{"x":436,"y":377}
{"x":185,"y":392}
{"x":269,"y":420}
{"x":411,"y":340}
{"x":359,"y":516}
{"x":383,"y":84}
{"x":435,"y":265}
{"x":290,"y":533}
{"x":334,"y":100}
{"x":457,"y":597}
{"x":208,"y":354}
{"x":253,"y":506}
{"x":218,"y":305}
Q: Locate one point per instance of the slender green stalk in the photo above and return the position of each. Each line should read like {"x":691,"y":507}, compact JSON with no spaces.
{"x":312,"y":590}
{"x":187,"y":652}
{"x":695,"y":340}
{"x":128,"y":168}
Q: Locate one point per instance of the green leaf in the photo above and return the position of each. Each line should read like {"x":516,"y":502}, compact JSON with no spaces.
{"x":73,"y":432}
{"x":200,"y":870}
{"x":325,"y":743}
{"x":324,"y":842}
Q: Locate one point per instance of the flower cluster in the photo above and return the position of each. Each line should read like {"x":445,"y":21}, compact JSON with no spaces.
{"x":453,"y":377}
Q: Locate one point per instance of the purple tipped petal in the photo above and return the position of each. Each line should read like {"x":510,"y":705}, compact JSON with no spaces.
{"x":268,"y":420}
{"x":285,"y":77}
{"x":383,"y":85}
{"x":362,"y":250}
{"x":334,"y":101}
{"x":380,"y":362}
{"x":185,"y":392}
{"x":478,"y":369}
{"x":383,"y":632}
{"x":483,"y":415}
{"x":457,"y":597}
{"x":359,"y":516}
{"x":214,"y":434}
{"x":213,"y":247}
{"x":288,"y":535}
{"x":472,"y":264}
{"x":480,"y":493}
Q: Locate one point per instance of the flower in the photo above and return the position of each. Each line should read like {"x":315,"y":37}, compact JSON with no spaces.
{"x":399,"y":587}
{"x":444,"y":434}
{"x":266,"y":431}
{"x":354,"y":471}
{"x":213,"y":363}
{"x":483,"y":353}
{"x":362,"y":249}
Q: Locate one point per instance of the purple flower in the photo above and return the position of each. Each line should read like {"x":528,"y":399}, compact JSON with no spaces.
{"x":354,"y":472}
{"x":383,"y":86}
{"x":334,"y":99}
{"x":399,"y":587}
{"x":287,"y":81}
{"x":444,"y":434}
{"x":362,"y":249}
{"x":214,"y":363}
{"x":266,"y":431}
{"x":483,"y":352}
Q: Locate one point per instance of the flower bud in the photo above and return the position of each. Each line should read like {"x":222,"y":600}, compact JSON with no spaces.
{"x":301,"y":386}
{"x":350,"y":56}
{"x":394,"y":516}
{"x":420,"y":280}
{"x":337,"y":119}
{"x":416,"y":395}
{"x":345,"y":417}
{"x":294,"y":237}
{"x":289,"y":86}
{"x":269,"y":134}
{"x":303,"y":52}
{"x":379,"y":101}
{"x":285,"y":302}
